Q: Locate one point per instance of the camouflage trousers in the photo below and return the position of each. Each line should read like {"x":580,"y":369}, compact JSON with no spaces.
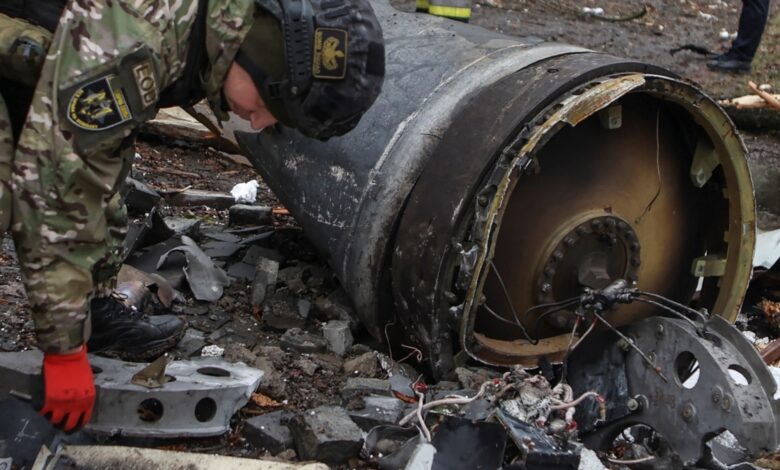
{"x":87,"y":264}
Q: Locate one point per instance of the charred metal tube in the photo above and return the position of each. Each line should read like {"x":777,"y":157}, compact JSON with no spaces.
{"x":498,"y":174}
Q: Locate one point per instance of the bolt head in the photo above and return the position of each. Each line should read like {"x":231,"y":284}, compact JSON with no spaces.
{"x":632,"y":404}
{"x":688,"y":412}
{"x":659,"y":329}
{"x":546,"y":287}
{"x":717,"y":394}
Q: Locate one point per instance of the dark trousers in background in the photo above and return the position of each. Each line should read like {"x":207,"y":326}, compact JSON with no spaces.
{"x":752,"y":21}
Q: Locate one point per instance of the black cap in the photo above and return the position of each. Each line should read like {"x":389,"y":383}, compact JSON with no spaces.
{"x":318,"y":64}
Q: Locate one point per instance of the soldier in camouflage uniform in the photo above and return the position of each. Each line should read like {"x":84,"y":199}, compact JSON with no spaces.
{"x":314,"y":65}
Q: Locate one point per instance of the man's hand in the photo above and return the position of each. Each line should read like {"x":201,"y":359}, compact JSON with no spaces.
{"x":69,"y":390}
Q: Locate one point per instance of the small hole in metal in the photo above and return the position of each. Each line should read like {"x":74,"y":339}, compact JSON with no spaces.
{"x":213,"y":372}
{"x":205,"y":410}
{"x":150,"y":410}
{"x":739,"y":375}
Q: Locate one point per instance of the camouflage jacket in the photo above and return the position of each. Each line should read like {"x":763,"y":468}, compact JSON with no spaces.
{"x":102,"y":77}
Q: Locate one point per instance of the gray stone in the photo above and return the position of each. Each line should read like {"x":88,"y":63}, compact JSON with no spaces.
{"x":275,"y":354}
{"x":266,"y":271}
{"x":308,"y":366}
{"x":243,"y":214}
{"x":338,"y":336}
{"x":197,"y":197}
{"x":364,"y":365}
{"x":184,"y":226}
{"x":282,"y":312}
{"x":292,"y":277}
{"x":256,"y":252}
{"x":190,"y":344}
{"x":359,"y":387}
{"x":301,"y":341}
{"x":337,"y":306}
{"x":273,"y":383}
{"x":377,"y":411}
{"x":326,"y":434}
{"x":329,"y":362}
{"x":473,"y":377}
{"x":269,"y":431}
{"x":235,"y":352}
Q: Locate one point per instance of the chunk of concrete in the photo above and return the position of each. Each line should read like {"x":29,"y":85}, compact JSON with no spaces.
{"x":338,"y":336}
{"x":358,"y":387}
{"x":364,"y":365}
{"x":197,"y":197}
{"x":243,"y":214}
{"x":283,"y":313}
{"x":301,"y":341}
{"x":184,"y":226}
{"x":337,"y":306}
{"x":269,"y":431}
{"x":377,"y":410}
{"x":266,"y":272}
{"x":326,"y":434}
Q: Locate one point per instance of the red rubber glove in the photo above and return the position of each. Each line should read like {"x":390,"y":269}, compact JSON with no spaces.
{"x":69,"y":389}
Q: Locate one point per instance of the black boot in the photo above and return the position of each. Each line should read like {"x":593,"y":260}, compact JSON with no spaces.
{"x":123,"y":332}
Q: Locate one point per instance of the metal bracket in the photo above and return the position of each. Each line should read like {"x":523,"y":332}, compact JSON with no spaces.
{"x":705,"y":160}
{"x":709,"y":266}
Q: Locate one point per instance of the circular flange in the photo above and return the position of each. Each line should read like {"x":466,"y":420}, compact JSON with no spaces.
{"x":592,"y":252}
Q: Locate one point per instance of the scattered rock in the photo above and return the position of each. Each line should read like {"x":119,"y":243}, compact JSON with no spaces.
{"x":239,"y":353}
{"x":269,"y":431}
{"x":184,"y":226}
{"x":288,"y":454}
{"x":359,"y":387}
{"x":266,"y":271}
{"x":283,"y":313}
{"x":338,"y":336}
{"x":473,"y":377}
{"x":337,"y":306}
{"x":308,"y":366}
{"x":273,"y":383}
{"x":377,"y":411}
{"x":292,"y":277}
{"x":197,"y":197}
{"x":275,"y":354}
{"x":328,"y":362}
{"x":192,"y":342}
{"x":326,"y":434}
{"x":364,"y":365}
{"x":242,"y":214}
{"x":301,"y":341}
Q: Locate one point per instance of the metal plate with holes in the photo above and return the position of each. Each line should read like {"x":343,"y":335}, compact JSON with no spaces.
{"x":199,"y":400}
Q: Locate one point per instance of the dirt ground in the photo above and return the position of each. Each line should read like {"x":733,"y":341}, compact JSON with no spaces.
{"x":667,"y":24}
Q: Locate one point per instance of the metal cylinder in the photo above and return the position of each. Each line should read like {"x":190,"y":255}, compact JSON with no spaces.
{"x":497,"y":173}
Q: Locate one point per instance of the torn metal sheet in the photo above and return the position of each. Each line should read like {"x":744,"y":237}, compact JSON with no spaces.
{"x":133,"y":458}
{"x":205,"y":279}
{"x":151,"y":282}
{"x":462,"y":443}
{"x":148,"y":258}
{"x":199,"y":400}
{"x":538,"y":450}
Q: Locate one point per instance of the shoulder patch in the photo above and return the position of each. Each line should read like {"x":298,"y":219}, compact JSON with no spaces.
{"x":330,"y":53}
{"x":98,"y":105}
{"x":145,"y":80}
